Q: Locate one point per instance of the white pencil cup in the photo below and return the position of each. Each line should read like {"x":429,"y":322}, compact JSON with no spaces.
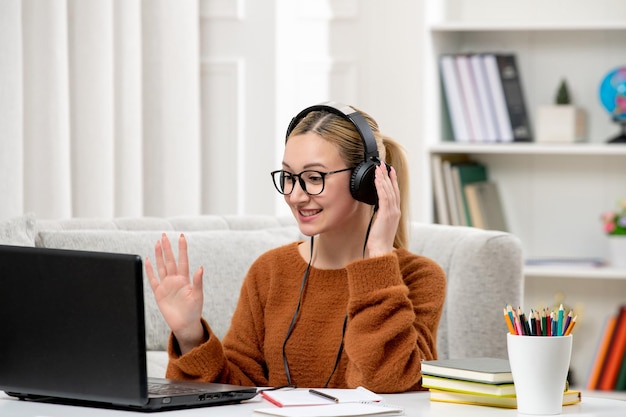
{"x":539,"y":365}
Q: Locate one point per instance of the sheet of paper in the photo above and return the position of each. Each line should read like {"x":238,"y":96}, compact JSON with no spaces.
{"x":334,"y":410}
{"x":295,"y":397}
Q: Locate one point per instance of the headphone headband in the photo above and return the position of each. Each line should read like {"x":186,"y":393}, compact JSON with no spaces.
{"x":351,"y":115}
{"x":362,"y":185}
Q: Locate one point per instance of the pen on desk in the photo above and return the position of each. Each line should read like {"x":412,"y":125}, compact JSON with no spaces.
{"x":323,"y":394}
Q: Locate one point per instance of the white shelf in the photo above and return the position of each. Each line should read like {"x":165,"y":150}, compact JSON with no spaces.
{"x":527,"y":27}
{"x":601,"y":273}
{"x":530,"y":148}
{"x":553,"y":194}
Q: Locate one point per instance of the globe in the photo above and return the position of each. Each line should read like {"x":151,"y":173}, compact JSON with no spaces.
{"x":613,"y":98}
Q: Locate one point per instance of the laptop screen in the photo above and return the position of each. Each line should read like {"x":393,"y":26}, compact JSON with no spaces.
{"x":72,"y":325}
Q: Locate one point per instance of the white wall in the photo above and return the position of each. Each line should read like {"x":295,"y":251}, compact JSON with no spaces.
{"x":263,"y":61}
{"x":121,"y":124}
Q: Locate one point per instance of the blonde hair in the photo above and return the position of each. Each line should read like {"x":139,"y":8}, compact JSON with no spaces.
{"x":343,"y":134}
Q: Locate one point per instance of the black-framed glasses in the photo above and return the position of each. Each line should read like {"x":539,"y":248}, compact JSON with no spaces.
{"x":312,"y":182}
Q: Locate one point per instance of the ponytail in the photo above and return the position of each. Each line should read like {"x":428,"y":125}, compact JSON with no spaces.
{"x":396,"y":157}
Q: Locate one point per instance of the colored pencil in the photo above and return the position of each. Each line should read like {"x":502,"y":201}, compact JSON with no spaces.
{"x":507,"y":319}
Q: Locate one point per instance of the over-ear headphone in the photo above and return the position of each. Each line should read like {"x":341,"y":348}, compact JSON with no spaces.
{"x":362,"y":185}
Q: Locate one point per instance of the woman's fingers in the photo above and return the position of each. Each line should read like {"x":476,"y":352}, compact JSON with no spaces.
{"x":197,"y":279}
{"x":152,"y":279}
{"x":183,"y":261}
{"x":166,"y":261}
{"x":168,"y":256}
{"x":387,"y":186}
{"x":158,"y":256}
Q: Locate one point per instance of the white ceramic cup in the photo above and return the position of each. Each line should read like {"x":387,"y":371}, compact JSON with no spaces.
{"x":539,"y":365}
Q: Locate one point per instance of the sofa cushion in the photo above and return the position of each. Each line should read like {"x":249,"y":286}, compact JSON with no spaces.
{"x":18,"y":231}
{"x":225,"y":255}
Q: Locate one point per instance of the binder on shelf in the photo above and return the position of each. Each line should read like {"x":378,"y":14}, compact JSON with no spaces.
{"x":473,"y":111}
{"x":454,"y":98}
{"x":500,"y":112}
{"x":485,"y":99}
{"x":511,"y":83}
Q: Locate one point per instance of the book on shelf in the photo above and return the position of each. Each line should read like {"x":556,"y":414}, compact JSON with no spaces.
{"x":490,"y":132}
{"x":484,"y":97}
{"x":456,"y":215}
{"x":485,"y":206}
{"x":569,"y":397}
{"x":460,"y":385}
{"x":601,"y":351}
{"x":453,"y":95}
{"x":442,"y":212}
{"x":500,"y":111}
{"x":442,"y":185}
{"x":511,"y":82}
{"x":465,"y":173}
{"x":471,"y":103}
{"x":620,"y":382}
{"x":615,"y":354}
{"x":483,"y":369}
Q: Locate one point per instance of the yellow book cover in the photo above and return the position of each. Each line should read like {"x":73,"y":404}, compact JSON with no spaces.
{"x":569,"y":397}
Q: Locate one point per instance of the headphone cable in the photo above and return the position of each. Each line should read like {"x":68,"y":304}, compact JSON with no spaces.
{"x":296,"y":314}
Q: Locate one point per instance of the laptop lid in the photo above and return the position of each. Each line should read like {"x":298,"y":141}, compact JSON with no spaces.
{"x":73,"y":328}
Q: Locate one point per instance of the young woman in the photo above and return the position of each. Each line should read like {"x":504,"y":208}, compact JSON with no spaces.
{"x":351,"y":306}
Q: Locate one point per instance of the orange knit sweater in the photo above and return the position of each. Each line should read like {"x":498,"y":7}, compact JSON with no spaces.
{"x":393,"y":303}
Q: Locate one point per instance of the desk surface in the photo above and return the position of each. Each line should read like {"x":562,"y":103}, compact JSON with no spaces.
{"x":415,"y":404}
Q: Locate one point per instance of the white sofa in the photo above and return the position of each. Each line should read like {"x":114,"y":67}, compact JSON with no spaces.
{"x":483,"y":268}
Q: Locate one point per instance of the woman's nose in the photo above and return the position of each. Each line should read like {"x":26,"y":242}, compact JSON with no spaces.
{"x":298,"y":193}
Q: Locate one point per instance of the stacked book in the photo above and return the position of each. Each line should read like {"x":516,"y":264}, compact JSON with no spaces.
{"x":484,"y":97}
{"x":476,"y":381}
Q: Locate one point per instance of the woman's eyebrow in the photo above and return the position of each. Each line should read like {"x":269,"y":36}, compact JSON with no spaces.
{"x":308,"y":166}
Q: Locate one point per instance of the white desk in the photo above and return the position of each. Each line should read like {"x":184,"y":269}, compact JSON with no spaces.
{"x":416,"y":404}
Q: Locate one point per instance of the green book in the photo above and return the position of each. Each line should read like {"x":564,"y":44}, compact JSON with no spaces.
{"x":620,"y":383}
{"x":465,"y":173}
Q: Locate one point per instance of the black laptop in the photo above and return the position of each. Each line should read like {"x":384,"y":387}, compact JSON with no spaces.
{"x":72,"y":331}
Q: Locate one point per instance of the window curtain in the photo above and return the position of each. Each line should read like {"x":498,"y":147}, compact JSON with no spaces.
{"x":99,"y":108}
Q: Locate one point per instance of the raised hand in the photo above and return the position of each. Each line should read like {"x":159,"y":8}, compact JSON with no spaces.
{"x":179,"y":299}
{"x":383,"y":231}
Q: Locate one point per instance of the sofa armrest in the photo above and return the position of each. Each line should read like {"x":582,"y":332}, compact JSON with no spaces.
{"x":484,"y":271}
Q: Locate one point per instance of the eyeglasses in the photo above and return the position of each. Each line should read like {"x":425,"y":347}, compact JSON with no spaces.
{"x":312,"y":182}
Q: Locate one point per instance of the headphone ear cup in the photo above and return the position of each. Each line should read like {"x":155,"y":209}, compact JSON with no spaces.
{"x":362,"y":185}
